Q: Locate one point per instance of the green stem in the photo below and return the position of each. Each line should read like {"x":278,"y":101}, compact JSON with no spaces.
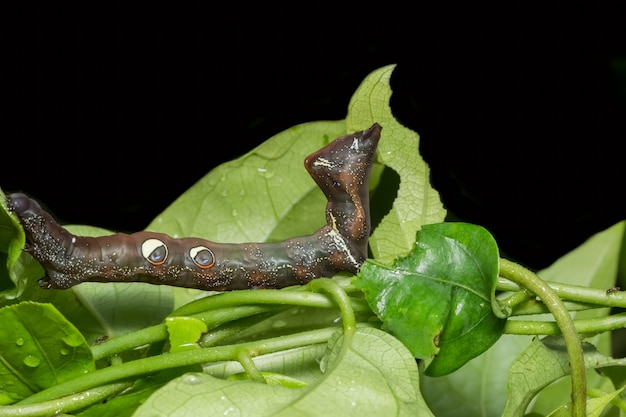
{"x":541,"y":289}
{"x":245,"y":359}
{"x":341,"y":298}
{"x":217,"y":309}
{"x":66,"y":404}
{"x":589,"y":326}
{"x":590,"y":295}
{"x":153,"y":364}
{"x":576,"y":293}
{"x":253,"y":297}
{"x":534,"y":306}
{"x":129,"y":341}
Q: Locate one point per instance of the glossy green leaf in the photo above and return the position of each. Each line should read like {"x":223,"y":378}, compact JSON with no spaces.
{"x":38,"y":349}
{"x":417,"y":202}
{"x":18,"y":268}
{"x":373,"y":375}
{"x":438,"y":299}
{"x":184,"y":332}
{"x":593,"y":264}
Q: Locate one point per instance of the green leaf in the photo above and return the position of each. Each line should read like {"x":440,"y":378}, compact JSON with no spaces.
{"x":259,"y":196}
{"x":438,"y":299}
{"x":595,"y":406}
{"x":479,"y":388}
{"x":38,"y":349}
{"x":271,"y":378}
{"x":301,"y":364}
{"x":542,"y":363}
{"x":184,"y":332}
{"x":373,"y":375}
{"x":18,"y":269}
{"x":593,"y":264}
{"x":417,"y":202}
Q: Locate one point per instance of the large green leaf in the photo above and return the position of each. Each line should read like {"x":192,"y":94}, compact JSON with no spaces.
{"x":38,"y":349}
{"x":438,"y":299}
{"x":259,"y":196}
{"x":417,"y":202}
{"x":373,"y":375}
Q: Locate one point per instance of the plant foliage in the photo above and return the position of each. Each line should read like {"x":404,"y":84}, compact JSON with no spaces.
{"x":432,"y":325}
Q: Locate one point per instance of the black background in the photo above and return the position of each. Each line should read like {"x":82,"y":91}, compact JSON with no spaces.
{"x":521,"y":113}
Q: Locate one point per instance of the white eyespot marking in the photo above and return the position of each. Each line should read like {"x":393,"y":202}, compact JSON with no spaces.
{"x":155,"y":251}
{"x":355,"y":144}
{"x":202,"y":256}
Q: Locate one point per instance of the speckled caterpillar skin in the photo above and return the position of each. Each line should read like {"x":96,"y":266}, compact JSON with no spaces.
{"x":341,"y":169}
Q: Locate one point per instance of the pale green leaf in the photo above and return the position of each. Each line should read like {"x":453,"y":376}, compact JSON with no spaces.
{"x":595,"y":406}
{"x":372,"y":376}
{"x":250,"y":198}
{"x":300,"y":363}
{"x":417,"y":202}
{"x":593,"y":264}
{"x":486,"y":393}
{"x":541,"y":364}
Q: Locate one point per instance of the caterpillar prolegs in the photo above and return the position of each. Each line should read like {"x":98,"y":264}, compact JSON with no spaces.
{"x":341,"y":170}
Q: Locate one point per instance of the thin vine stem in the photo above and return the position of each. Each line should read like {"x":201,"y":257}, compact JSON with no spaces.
{"x":217,"y":309}
{"x":588,"y":326}
{"x":541,"y":289}
{"x":153,"y":364}
{"x":575,"y":293}
{"x":65,"y":404}
{"x":342,"y":300}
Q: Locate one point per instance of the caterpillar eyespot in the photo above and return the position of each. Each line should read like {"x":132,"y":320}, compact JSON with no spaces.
{"x":202,"y":256}
{"x":155,"y":251}
{"x":341,"y":170}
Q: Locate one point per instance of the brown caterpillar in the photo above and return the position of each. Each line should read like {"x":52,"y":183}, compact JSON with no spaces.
{"x":341,"y":169}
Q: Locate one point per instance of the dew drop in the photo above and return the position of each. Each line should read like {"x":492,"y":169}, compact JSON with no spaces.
{"x":191,"y":380}
{"x":31,"y":361}
{"x":73,"y":340}
{"x":65,"y":351}
{"x":19,"y":341}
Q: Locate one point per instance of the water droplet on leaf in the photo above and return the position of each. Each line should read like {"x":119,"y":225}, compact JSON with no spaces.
{"x":32,"y":361}
{"x":19,"y":341}
{"x":191,"y":380}
{"x":73,"y":340}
